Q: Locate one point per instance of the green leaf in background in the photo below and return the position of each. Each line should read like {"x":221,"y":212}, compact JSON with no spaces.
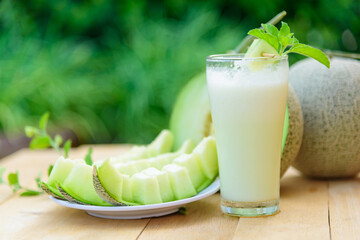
{"x":2,"y":171}
{"x":50,"y":169}
{"x":88,"y":158}
{"x":67,"y":146}
{"x":58,"y":140}
{"x":259,"y":33}
{"x":40,"y":142}
{"x":30,"y":192}
{"x":13,"y":179}
{"x":44,"y":120}
{"x":309,"y":51}
{"x":31,"y":131}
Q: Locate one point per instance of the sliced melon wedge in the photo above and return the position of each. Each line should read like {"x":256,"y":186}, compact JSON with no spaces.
{"x":79,"y":185}
{"x":162,"y":143}
{"x":127,"y":168}
{"x":258,"y":48}
{"x":162,"y":177}
{"x":145,"y":189}
{"x":180,"y":181}
{"x":167,"y":177}
{"x":191,"y":163}
{"x":208,"y":160}
{"x":60,"y":171}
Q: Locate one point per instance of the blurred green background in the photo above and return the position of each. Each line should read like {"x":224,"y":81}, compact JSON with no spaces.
{"x":110,"y":70}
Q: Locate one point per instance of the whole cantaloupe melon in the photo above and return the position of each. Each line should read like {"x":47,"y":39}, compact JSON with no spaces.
{"x":191,"y":119}
{"x":330,"y":101}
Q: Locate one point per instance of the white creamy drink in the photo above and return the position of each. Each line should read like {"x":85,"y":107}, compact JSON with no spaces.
{"x":248,"y":103}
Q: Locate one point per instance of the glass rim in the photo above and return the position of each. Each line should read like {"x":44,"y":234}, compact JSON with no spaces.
{"x":241,"y":57}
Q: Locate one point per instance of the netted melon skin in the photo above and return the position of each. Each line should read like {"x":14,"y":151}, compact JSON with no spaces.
{"x":295,"y":132}
{"x":330,"y":101}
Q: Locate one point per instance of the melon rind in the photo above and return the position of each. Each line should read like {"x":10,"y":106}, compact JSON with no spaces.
{"x":54,"y":192}
{"x":108,"y":184}
{"x":67,"y":196}
{"x":294,"y":133}
{"x":79,"y":185}
{"x":330,"y":101}
{"x":100,"y":190}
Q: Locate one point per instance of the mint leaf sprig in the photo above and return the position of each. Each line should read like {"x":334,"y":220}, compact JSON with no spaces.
{"x":14,"y":183}
{"x":284,"y":42}
{"x":40,"y":139}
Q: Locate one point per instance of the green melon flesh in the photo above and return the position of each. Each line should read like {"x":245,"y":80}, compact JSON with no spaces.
{"x":206,"y":150}
{"x":160,"y":161}
{"x":127,"y":194}
{"x":191,"y":118}
{"x":175,"y":176}
{"x":111,"y":179}
{"x":127,"y":168}
{"x":186,"y":147}
{"x":141,"y":164}
{"x":61,"y":170}
{"x":145,"y":189}
{"x":162,"y":143}
{"x":180,"y":181}
{"x":162,"y":177}
{"x":258,"y":47}
{"x":78,"y":184}
{"x":191,"y":163}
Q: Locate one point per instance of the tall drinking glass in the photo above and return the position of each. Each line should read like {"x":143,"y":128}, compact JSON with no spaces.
{"x":248,"y":102}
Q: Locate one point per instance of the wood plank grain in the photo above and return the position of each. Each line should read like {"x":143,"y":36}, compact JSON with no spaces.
{"x":344,"y":209}
{"x":203,"y":221}
{"x":40,"y":218}
{"x":304,"y":213}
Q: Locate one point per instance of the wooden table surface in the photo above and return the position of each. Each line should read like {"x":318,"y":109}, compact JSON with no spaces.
{"x":310,"y":209}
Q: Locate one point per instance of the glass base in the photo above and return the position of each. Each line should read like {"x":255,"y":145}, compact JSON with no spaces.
{"x":250,"y":209}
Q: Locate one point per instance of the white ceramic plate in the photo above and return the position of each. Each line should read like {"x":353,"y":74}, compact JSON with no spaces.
{"x":143,"y":211}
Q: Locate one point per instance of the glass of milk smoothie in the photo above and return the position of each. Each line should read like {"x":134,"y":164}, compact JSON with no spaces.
{"x":248,"y":102}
